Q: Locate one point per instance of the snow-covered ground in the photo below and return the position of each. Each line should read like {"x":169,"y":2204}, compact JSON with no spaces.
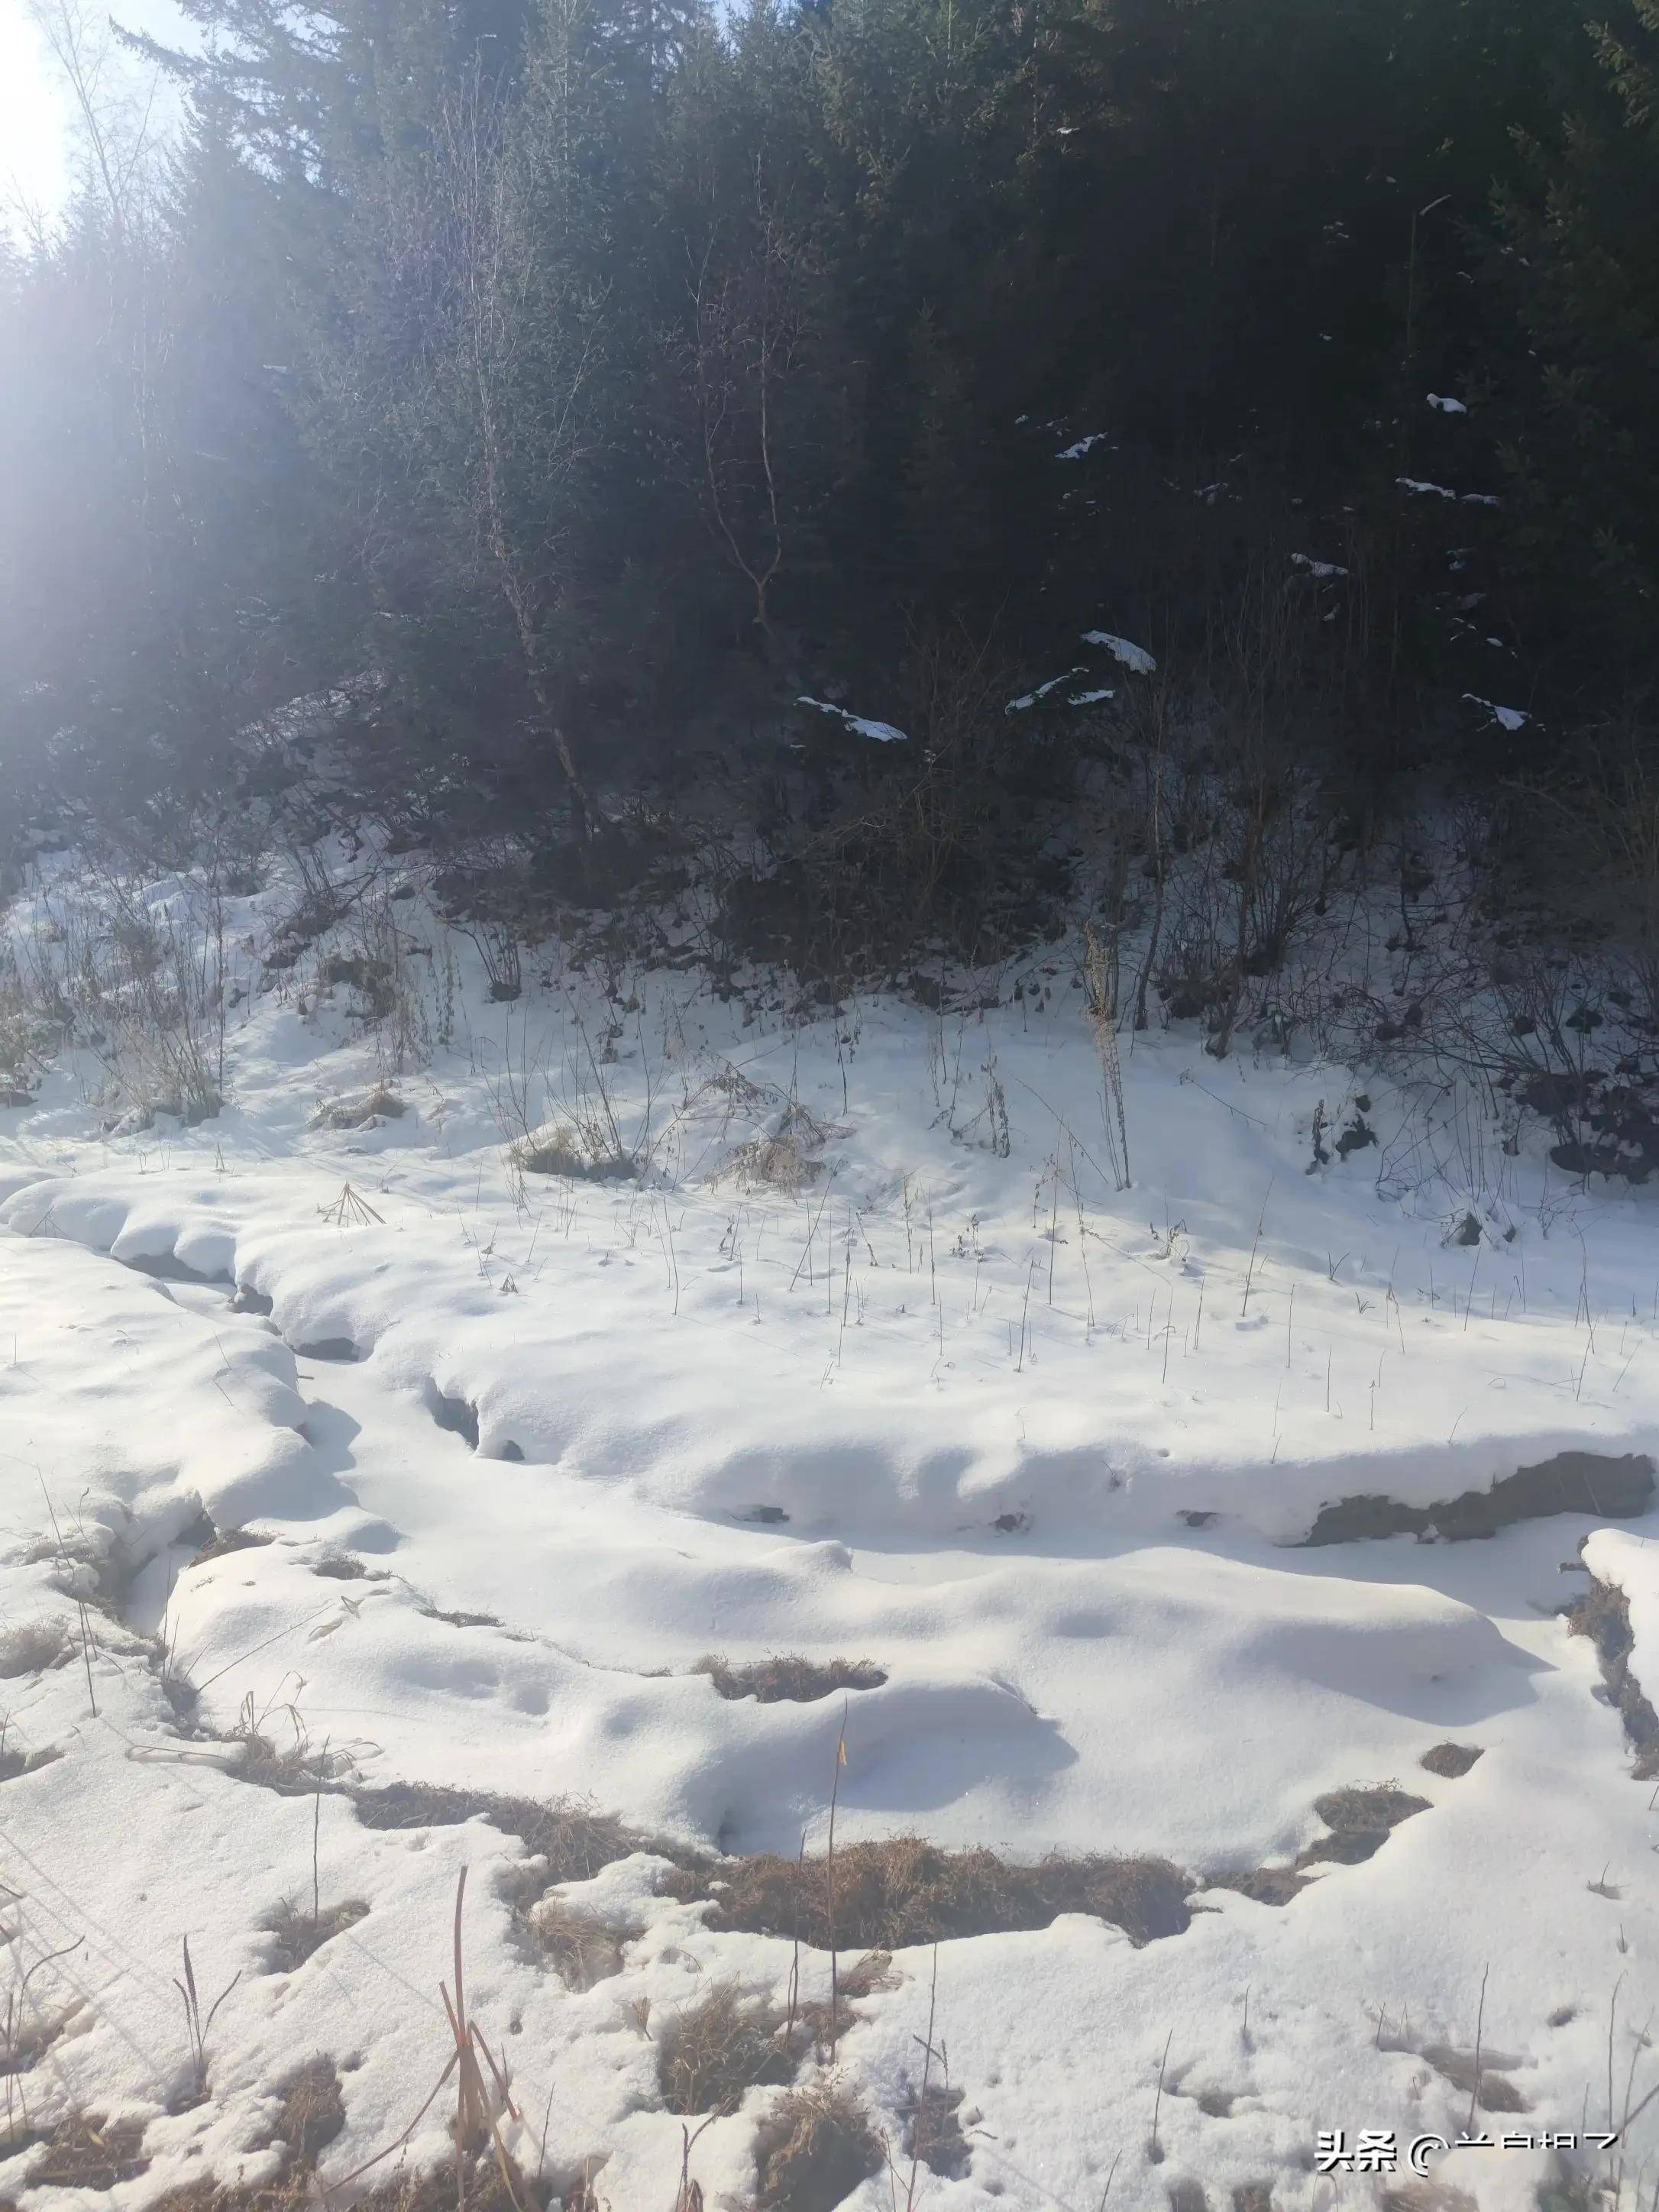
{"x":902,"y":1347}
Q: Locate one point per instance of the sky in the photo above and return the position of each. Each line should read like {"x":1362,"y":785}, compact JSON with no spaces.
{"x":37,"y":139}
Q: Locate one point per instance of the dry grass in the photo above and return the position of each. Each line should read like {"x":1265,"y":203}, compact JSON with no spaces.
{"x":311,"y":2117}
{"x":576,"y":1841}
{"x":1266,"y":1885}
{"x":1360,"y":1820}
{"x":380,"y":1104}
{"x":814,"y":2150}
{"x":777,"y":1163}
{"x":1362,"y":1809}
{"x":141,"y":988}
{"x":1450,"y":1761}
{"x":224,"y":1542}
{"x":1497,"y":2094}
{"x":87,"y":2151}
{"x":581,"y":1950}
{"x":434,"y":2190}
{"x":288,"y":1769}
{"x":932,"y":2130}
{"x":572,"y":1148}
{"x":334,"y":1565}
{"x":782,"y":1160}
{"x":1427,"y":2197}
{"x":889,"y":1896}
{"x":292,"y":1772}
{"x":31,"y":1647}
{"x":787,"y":1677}
{"x":431,"y":2190}
{"x":312,"y":2113}
{"x":1571,"y":1482}
{"x":13,"y":1763}
{"x":824,"y":2021}
{"x":299,"y":1935}
{"x":1604,"y":1614}
{"x":27,"y":2033}
{"x":713,"y":2053}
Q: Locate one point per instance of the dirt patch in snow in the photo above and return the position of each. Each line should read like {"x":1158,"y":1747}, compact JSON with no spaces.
{"x":337,"y":1566}
{"x":32,"y":1647}
{"x":1451,"y":1759}
{"x":455,"y":1415}
{"x":581,"y":1949}
{"x":1359,"y":1821}
{"x":1364,"y":1817}
{"x":932,"y":2130}
{"x":220,"y":1544}
{"x":905,"y":1891}
{"x":311,"y":2114}
{"x":13,"y":1763}
{"x":576,"y":1840}
{"x":814,"y":2150}
{"x":298,"y":1934}
{"x":362,"y":1112}
{"x":786,"y":1677}
{"x":1571,"y":1482}
{"x":1604,"y":1614}
{"x":712,"y":2053}
{"x":88,"y":2152}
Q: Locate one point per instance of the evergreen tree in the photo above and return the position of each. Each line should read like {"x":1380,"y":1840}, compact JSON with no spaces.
{"x":1579,"y":268}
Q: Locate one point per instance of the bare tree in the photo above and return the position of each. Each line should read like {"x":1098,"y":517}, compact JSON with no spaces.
{"x":115,"y":114}
{"x":462,"y":375}
{"x":511,"y":411}
{"x":749,"y":334}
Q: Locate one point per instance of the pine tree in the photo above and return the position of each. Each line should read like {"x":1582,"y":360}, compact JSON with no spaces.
{"x":1580,"y":268}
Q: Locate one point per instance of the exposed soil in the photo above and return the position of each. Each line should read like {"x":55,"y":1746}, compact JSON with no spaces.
{"x":1451,"y":1759}
{"x":1571,"y":1482}
{"x":786,"y":1677}
{"x":1604,"y":1614}
{"x":1359,"y":1821}
{"x":906,"y":1891}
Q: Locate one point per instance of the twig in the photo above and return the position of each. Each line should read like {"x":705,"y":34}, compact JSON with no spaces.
{"x":1154,"y":2149}
{"x":1479,"y":2027}
{"x":830,"y":1888}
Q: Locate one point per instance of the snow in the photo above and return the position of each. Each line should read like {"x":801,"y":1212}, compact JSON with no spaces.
{"x":1039,"y":1440}
{"x":1075,"y":453}
{"x":1133,"y":657}
{"x":1510,"y":718}
{"x":1317,"y":568}
{"x":1444,"y":406}
{"x":1033,"y":698}
{"x":1087,"y":698}
{"x":1440,"y":491}
{"x":883,"y":733}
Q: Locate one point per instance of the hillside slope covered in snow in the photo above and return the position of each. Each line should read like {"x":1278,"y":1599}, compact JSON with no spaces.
{"x":1167,"y":1473}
